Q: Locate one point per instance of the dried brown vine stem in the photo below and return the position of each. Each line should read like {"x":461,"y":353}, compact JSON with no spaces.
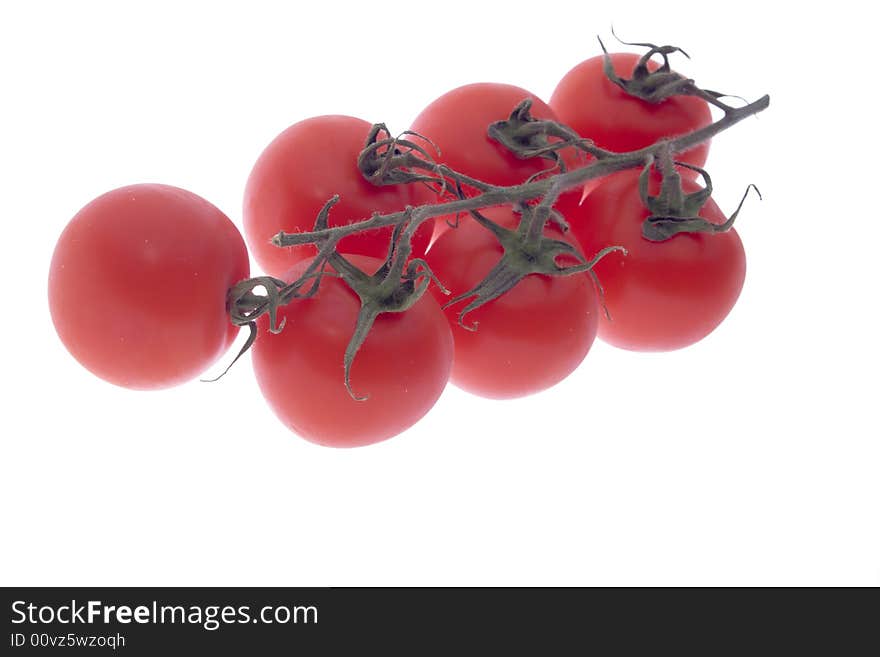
{"x":387,"y":160}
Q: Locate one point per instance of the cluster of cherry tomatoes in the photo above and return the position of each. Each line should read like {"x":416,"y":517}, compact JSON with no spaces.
{"x":139,"y":279}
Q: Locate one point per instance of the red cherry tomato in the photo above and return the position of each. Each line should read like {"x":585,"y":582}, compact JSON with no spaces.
{"x":457,"y":122}
{"x":300,"y":171}
{"x":526,"y":340}
{"x":138,"y":283}
{"x":662,"y":295}
{"x":403,"y":365}
{"x":596,"y":108}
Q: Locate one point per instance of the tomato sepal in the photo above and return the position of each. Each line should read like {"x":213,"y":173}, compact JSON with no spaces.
{"x":387,"y":160}
{"x":655,"y":85}
{"x":386,"y":291}
{"x":527,"y":137}
{"x":526,"y":251}
{"x":672,"y":210}
{"x":394,"y":287}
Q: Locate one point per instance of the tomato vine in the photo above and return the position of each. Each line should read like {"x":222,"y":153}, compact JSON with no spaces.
{"x":408,"y":158}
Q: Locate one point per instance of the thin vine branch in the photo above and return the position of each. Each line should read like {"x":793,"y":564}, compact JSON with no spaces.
{"x":605,"y":165}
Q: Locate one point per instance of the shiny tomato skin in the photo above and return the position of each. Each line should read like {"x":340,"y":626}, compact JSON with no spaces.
{"x":299,"y":171}
{"x":596,"y":108}
{"x":662,"y":295}
{"x":138,"y":283}
{"x":403,"y":365}
{"x":527,"y":340}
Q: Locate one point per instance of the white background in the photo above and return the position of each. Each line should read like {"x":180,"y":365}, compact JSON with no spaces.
{"x":750,"y":458}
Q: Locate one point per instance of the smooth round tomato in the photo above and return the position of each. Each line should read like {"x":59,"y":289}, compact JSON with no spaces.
{"x":596,"y":108}
{"x":526,"y":340}
{"x":456,"y":123}
{"x":662,"y":295}
{"x":138,"y":283}
{"x":300,"y":171}
{"x":402,"y":366}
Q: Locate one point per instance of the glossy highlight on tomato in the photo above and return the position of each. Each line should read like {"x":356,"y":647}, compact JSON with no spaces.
{"x":138,"y":284}
{"x":299,"y":171}
{"x":661,"y":295}
{"x":525,"y":341}
{"x":403,"y":366}
{"x":596,"y":108}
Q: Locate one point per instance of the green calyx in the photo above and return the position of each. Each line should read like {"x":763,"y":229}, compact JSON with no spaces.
{"x":528,"y":137}
{"x":387,"y":160}
{"x":651,"y":86}
{"x":661,"y":83}
{"x":527,"y":251}
{"x":386,"y":291}
{"x":673,"y":211}
{"x":525,"y":136}
{"x":394,"y":288}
